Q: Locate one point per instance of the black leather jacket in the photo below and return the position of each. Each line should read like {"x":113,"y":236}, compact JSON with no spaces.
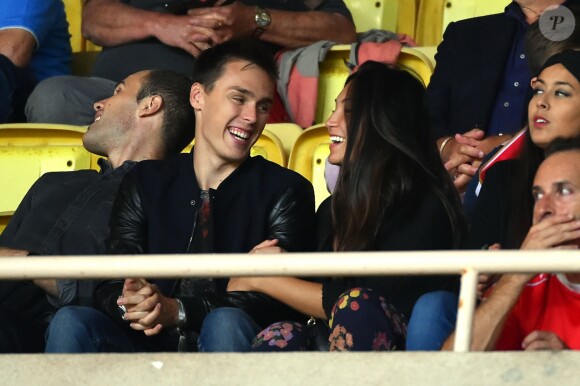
{"x":156,"y":211}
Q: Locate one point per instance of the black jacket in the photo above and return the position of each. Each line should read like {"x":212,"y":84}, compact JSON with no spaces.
{"x":471,"y":61}
{"x":156,"y":210}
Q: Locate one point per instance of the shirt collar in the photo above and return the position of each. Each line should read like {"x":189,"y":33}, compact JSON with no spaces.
{"x":106,"y":166}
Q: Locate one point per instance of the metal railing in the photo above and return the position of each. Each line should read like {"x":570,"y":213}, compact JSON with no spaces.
{"x":468,"y":264}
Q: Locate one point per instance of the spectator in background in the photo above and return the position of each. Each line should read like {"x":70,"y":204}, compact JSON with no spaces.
{"x":479,"y":87}
{"x":67,"y":213}
{"x":34,"y":45}
{"x":504,"y":210}
{"x":543,"y":313}
{"x":140,"y":34}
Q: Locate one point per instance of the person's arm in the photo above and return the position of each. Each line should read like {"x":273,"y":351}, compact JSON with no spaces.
{"x":491,"y":315}
{"x":18,"y":45}
{"x":111,"y":23}
{"x":292,"y":219}
{"x":287,"y":29}
{"x":303,"y":296}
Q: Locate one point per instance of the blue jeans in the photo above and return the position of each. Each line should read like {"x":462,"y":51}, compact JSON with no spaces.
{"x":86,"y":330}
{"x":432,"y":321}
{"x":227,"y":329}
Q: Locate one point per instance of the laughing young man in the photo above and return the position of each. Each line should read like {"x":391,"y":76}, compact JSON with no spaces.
{"x":215,"y":200}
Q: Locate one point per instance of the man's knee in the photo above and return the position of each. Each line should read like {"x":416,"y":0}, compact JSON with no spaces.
{"x":227,"y":329}
{"x":67,"y":99}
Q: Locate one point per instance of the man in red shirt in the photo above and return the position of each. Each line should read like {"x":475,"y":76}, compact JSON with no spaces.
{"x":524,"y":312}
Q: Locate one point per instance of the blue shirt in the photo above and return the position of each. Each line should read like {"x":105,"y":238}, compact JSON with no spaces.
{"x":510,"y":108}
{"x":46,"y":21}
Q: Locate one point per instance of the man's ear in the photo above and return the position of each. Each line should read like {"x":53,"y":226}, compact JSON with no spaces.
{"x":150,"y":105}
{"x":196,"y":96}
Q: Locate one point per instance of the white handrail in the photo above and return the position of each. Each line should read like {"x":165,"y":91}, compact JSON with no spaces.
{"x":467,"y":263}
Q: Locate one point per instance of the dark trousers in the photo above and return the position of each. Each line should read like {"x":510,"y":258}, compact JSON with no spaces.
{"x":16,"y":84}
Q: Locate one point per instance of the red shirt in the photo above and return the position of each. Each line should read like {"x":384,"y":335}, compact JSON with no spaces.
{"x":545,"y":304}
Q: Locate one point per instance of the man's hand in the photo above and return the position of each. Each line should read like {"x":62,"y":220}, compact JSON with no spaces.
{"x":252,"y":283}
{"x":553,"y":232}
{"x":9,"y":252}
{"x":229,"y":21}
{"x":192,"y":34}
{"x":464,"y":153}
{"x":148,"y":309}
{"x":543,"y":340}
{"x":267,"y":246}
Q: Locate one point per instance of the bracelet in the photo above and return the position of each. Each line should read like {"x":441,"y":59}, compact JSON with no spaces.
{"x":443,"y":144}
{"x":181,"y":315}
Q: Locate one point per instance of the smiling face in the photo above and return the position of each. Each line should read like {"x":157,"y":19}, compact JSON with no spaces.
{"x":232,"y":114}
{"x":114,"y":116}
{"x":554,"y":110}
{"x":556,"y":187}
{"x":337,"y":127}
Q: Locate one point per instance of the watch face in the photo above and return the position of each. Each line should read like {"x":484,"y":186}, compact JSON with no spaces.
{"x":262,"y":19}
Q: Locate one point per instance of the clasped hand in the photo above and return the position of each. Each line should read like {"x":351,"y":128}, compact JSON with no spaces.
{"x":147,"y":309}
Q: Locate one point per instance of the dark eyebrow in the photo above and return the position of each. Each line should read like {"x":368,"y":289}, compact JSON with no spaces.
{"x":121,"y":83}
{"x":247,"y":92}
{"x":560,"y":184}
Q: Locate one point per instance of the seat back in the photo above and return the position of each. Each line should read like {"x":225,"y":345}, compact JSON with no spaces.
{"x":333,"y":73}
{"x":434,"y":16}
{"x":27,"y":151}
{"x":287,"y":133}
{"x":308,"y":157}
{"x":374,"y":14}
{"x":4,"y":219}
{"x":407,"y":17}
{"x":74,"y":13}
{"x":268,"y":146}
{"x":417,"y":63}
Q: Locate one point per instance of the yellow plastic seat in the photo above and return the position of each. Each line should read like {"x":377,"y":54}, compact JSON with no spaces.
{"x":374,"y":14}
{"x":74,"y":12}
{"x":287,"y":133}
{"x":407,"y":17}
{"x":333,"y":73}
{"x":434,"y":16}
{"x":4,"y":219}
{"x":27,"y":151}
{"x":268,"y":146}
{"x":416,"y":62}
{"x":82,"y":62}
{"x":308,"y":158}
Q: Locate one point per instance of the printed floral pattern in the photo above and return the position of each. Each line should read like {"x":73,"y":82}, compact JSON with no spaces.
{"x":386,"y":330}
{"x":278,"y":336}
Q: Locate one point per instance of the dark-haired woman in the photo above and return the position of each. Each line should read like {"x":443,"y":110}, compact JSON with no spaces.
{"x":392,"y":194}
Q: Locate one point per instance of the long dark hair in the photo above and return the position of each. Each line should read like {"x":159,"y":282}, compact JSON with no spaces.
{"x":520,"y":200}
{"x":390,"y":160}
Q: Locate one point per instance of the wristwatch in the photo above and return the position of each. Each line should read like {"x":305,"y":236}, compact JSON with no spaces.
{"x":263,"y":20}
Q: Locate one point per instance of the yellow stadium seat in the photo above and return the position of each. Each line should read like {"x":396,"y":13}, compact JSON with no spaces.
{"x":27,"y":151}
{"x":374,"y":14}
{"x":434,"y":16}
{"x":74,"y":12}
{"x":308,"y":158}
{"x":287,"y":133}
{"x":407,"y":17}
{"x":417,"y":63}
{"x":333,"y":73}
{"x":82,"y":62}
{"x":268,"y":146}
{"x":4,"y":219}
